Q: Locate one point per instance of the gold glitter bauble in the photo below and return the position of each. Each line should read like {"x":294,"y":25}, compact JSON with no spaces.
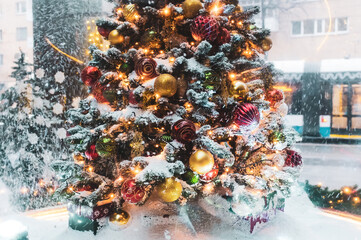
{"x":170,"y":190}
{"x":191,"y":8}
{"x":238,"y":89}
{"x":115,"y":37}
{"x":201,"y":162}
{"x":130,"y":12}
{"x":266,"y":44}
{"x":165,"y":85}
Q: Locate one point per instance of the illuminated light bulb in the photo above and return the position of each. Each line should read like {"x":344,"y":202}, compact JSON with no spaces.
{"x":356,"y":200}
{"x":232,"y":21}
{"x":90,"y":169}
{"x":111,"y":195}
{"x":216,"y":8}
{"x":120,"y":178}
{"x":41,"y":183}
{"x":71,"y":189}
{"x":226,"y":169}
{"x":129,"y":122}
{"x":157,"y":96}
{"x":346,"y":190}
{"x":24,"y":190}
{"x":232,"y":76}
{"x":330,"y":202}
{"x":171,"y":59}
{"x":210,"y":132}
{"x":208,"y":188}
{"x":145,"y":50}
{"x":192,"y":43}
{"x":166,"y":11}
{"x":161,"y":51}
{"x":136,"y":170}
{"x":119,"y":11}
{"x":240,"y":23}
{"x":157,"y":145}
{"x":319,"y":184}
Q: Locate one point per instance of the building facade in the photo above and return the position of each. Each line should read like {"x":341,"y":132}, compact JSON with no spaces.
{"x":316,"y":44}
{"x":16,"y":28}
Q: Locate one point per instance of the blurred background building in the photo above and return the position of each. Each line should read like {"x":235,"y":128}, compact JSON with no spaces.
{"x":316,"y":44}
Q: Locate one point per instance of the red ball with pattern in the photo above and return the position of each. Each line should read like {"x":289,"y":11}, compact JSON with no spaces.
{"x":246,"y":114}
{"x":131,"y":192}
{"x":205,"y":28}
{"x":293,"y":159}
{"x":146,"y":68}
{"x":104,"y":31}
{"x":209,"y":176}
{"x":274,"y":96}
{"x":184,"y":131}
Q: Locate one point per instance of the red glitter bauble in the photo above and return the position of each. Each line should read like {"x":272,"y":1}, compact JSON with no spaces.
{"x":223,"y":37}
{"x":104,"y":31}
{"x":293,"y":159}
{"x":146,"y":68}
{"x":274,"y":96}
{"x":205,"y":28}
{"x":209,"y":176}
{"x":97,"y":91}
{"x":184,"y":131}
{"x":131,"y":192}
{"x":91,"y":153}
{"x":246,"y":114}
{"x":90,"y":75}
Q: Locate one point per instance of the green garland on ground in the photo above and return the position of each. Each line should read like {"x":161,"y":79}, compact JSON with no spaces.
{"x":347,"y":199}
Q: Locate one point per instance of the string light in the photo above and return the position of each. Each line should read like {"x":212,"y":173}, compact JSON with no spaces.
{"x":172,"y":59}
{"x":90,"y":169}
{"x":232,"y":76}
{"x":166,"y":11}
{"x":208,"y":188}
{"x":216,"y":8}
{"x":346,"y":190}
{"x":356,"y":200}
{"x":24,"y":190}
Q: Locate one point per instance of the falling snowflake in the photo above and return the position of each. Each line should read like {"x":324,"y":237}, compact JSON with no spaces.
{"x":38,"y":102}
{"x":58,"y":108}
{"x":40,"y":73}
{"x":33,"y":138}
{"x":52,"y":91}
{"x":61,"y":133}
{"x":59,"y":77}
{"x":40,"y":120}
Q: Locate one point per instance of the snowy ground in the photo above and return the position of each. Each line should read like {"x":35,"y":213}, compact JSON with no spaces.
{"x":332,"y":165}
{"x":299,"y":221}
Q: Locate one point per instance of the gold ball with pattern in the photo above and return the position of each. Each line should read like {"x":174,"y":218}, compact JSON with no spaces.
{"x":165,"y":85}
{"x":266,"y":44}
{"x":130,"y":12}
{"x":201,"y":161}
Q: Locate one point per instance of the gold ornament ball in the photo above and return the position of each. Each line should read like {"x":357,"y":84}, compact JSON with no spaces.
{"x":170,"y":190}
{"x":266,"y":44}
{"x":191,"y":8}
{"x":130,"y":12}
{"x":165,"y":85}
{"x":238,"y":89}
{"x":201,"y":161}
{"x":120,"y":218}
{"x":115,"y":37}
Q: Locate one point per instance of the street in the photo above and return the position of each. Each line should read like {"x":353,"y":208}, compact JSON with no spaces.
{"x":331,"y":165}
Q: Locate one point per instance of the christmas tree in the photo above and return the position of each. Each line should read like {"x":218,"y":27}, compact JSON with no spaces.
{"x":33,"y":133}
{"x":183,"y":111}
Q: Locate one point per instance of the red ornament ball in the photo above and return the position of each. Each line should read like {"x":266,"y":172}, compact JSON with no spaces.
{"x":205,"y":28}
{"x":274,"y":96}
{"x":209,"y":176}
{"x":132,"y":99}
{"x":104,"y":31}
{"x":293,"y":159}
{"x":184,"y":131}
{"x":223,"y":37}
{"x":131,"y":192}
{"x":91,"y":153}
{"x":90,"y":75}
{"x":146,"y":68}
{"x":246,"y":114}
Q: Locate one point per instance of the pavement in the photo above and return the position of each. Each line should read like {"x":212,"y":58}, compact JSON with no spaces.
{"x":331,"y":165}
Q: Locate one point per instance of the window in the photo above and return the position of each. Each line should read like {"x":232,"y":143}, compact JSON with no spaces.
{"x":308,"y":26}
{"x":319,"y":26}
{"x":1,"y":34}
{"x":296,"y":28}
{"x":1,"y":59}
{"x":21,"y":7}
{"x":21,"y":34}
